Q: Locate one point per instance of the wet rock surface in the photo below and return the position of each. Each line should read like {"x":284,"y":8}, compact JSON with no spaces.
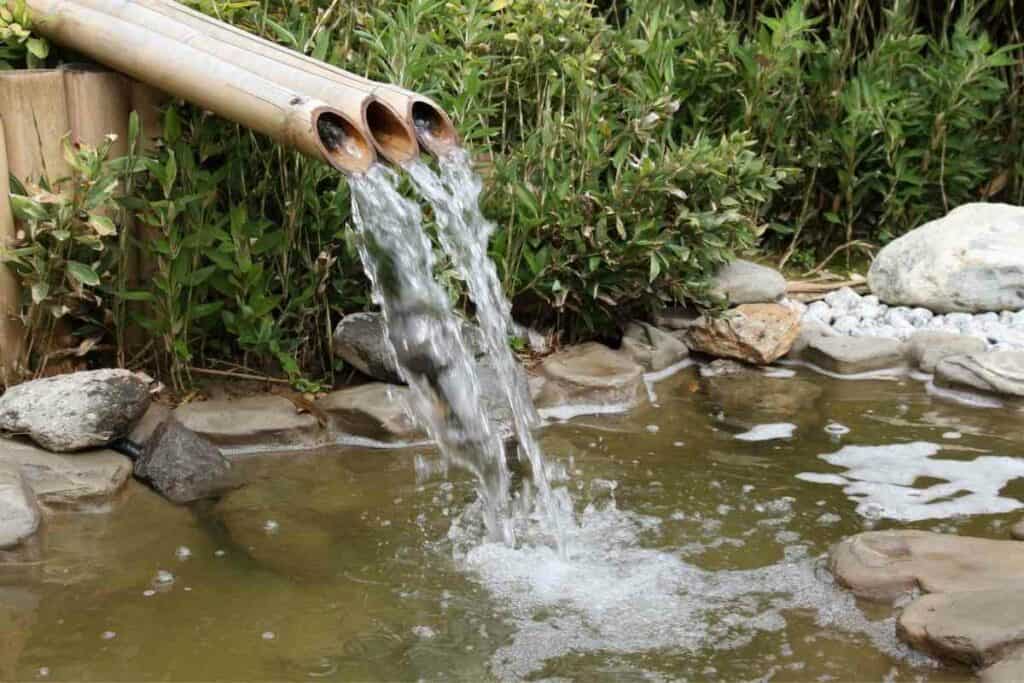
{"x":81,"y":480}
{"x":375,"y":411}
{"x":927,"y":348}
{"x":19,"y":514}
{"x":970,"y":260}
{"x":652,"y":348}
{"x":183,"y":466}
{"x":754,"y":333}
{"x":744,"y":396}
{"x":884,"y":565}
{"x":745,"y":282}
{"x":590,"y":374}
{"x":1017,"y":531}
{"x":998,"y":372}
{"x":810,"y":330}
{"x":854,"y":355}
{"x":265,"y":421}
{"x":976,"y":628}
{"x":1010,"y":669}
{"x":76,"y":411}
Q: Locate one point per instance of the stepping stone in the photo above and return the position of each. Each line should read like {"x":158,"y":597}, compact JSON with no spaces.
{"x":854,"y":355}
{"x":80,"y":480}
{"x":884,"y":565}
{"x":589,"y":374}
{"x":745,"y":282}
{"x":928,"y":347}
{"x":265,"y":420}
{"x":997,"y":372}
{"x":374,"y":411}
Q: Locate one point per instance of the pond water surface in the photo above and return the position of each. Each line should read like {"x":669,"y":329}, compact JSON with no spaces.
{"x":704,"y":515}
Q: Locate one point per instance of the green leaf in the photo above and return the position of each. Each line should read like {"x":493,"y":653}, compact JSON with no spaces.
{"x":102,"y":226}
{"x":38,"y":47}
{"x":27,"y":209}
{"x":83,"y":273}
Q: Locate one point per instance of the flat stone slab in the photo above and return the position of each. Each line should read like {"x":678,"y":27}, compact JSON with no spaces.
{"x":68,"y":481}
{"x":754,"y":333}
{"x":375,"y":411}
{"x":76,"y":411}
{"x":976,"y":628}
{"x":590,"y":374}
{"x":884,"y":565}
{"x":854,"y":355}
{"x":997,"y":372}
{"x":1008,"y":670}
{"x":19,"y":514}
{"x":928,"y":347}
{"x":265,"y":420}
{"x":745,"y":282}
{"x":652,"y":348}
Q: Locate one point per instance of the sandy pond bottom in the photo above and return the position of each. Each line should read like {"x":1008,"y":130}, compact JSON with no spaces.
{"x":698,"y":555}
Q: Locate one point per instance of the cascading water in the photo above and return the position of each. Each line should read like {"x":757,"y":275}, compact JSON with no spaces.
{"x":464,"y":233}
{"x":427,"y":342}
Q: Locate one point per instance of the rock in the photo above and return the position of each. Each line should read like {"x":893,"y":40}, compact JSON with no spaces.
{"x":976,"y":628}
{"x":853,"y":355}
{"x":81,"y":480}
{"x":494,"y":397}
{"x":843,"y":301}
{"x":755,"y":333}
{"x":1017,"y":531}
{"x":928,"y":347}
{"x":970,"y":260}
{"x":677,"y":318}
{"x":1010,"y":669}
{"x":819,"y":311}
{"x":182,"y":466}
{"x":998,"y":372}
{"x":589,"y":374}
{"x":810,"y":329}
{"x":374,"y":411}
{"x":76,"y":411}
{"x":749,"y":397}
{"x":19,"y":514}
{"x":360,"y":339}
{"x":156,"y":415}
{"x":264,"y":420}
{"x":744,"y":282}
{"x":652,"y":348}
{"x":722,"y":367}
{"x":884,"y":565}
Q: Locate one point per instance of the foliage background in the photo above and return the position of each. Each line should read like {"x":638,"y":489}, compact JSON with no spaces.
{"x":629,"y":146}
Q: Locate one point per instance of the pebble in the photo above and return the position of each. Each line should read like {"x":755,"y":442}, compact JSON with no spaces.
{"x":268,"y":635}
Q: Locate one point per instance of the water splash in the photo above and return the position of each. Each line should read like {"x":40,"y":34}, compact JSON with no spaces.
{"x":464,"y":234}
{"x":427,"y":342}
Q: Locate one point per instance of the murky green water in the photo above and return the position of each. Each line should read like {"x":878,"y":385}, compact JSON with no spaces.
{"x":701,"y":560}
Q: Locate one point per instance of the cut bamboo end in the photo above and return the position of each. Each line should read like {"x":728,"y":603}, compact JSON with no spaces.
{"x":434,"y":129}
{"x":392,"y":135}
{"x":340,"y":142}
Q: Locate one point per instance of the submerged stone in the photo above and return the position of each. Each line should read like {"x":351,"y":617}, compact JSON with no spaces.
{"x":884,"y":565}
{"x":745,"y":282}
{"x":68,"y":481}
{"x":19,"y":514}
{"x":76,"y":411}
{"x":183,"y":466}
{"x":755,"y":333}
{"x":651,"y":347}
{"x":264,"y":421}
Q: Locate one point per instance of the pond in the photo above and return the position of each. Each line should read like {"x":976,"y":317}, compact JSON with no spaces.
{"x":699,"y":554}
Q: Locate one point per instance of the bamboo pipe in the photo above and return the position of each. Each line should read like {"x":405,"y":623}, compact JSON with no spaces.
{"x":311,"y":126}
{"x":12,"y":333}
{"x":392,"y":135}
{"x":433,"y":127}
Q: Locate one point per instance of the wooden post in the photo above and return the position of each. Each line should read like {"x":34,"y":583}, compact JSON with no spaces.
{"x":11,"y":331}
{"x":99,"y":102}
{"x":35,"y":113}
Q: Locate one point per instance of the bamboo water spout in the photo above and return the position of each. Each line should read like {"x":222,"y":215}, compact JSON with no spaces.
{"x":291,"y":117}
{"x":432,"y":126}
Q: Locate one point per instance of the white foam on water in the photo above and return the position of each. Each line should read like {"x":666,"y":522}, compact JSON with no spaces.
{"x":652,"y":377}
{"x":881,"y":480}
{"x":779,"y":373}
{"x":768,"y":432}
{"x":610,"y":594}
{"x":564,"y":413}
{"x":894,"y":373}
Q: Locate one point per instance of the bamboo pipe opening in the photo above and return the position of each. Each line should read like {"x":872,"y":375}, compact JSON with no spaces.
{"x":393,"y":137}
{"x":434,"y":129}
{"x":341,"y":143}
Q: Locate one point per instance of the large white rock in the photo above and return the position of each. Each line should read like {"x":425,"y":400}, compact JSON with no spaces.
{"x":970,"y":260}
{"x":19,"y":514}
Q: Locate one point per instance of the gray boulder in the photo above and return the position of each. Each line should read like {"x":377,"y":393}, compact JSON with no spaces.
{"x":651,"y":347}
{"x":970,"y":260}
{"x":68,"y":482}
{"x":183,"y":466}
{"x":928,"y":347}
{"x":19,"y":514}
{"x":76,"y":411}
{"x":744,"y":282}
{"x":998,"y":372}
{"x":854,"y":355}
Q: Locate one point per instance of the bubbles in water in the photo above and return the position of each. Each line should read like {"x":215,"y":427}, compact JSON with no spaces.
{"x":219,"y":553}
{"x":653,"y":429}
{"x":952,"y":435}
{"x":424,"y":632}
{"x":836,"y":429}
{"x":163,"y":578}
{"x":268,"y":635}
{"x":108,"y":635}
{"x":183,"y":552}
{"x":43,"y":672}
{"x":768,"y":432}
{"x":271,"y":526}
{"x":149,"y":592}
